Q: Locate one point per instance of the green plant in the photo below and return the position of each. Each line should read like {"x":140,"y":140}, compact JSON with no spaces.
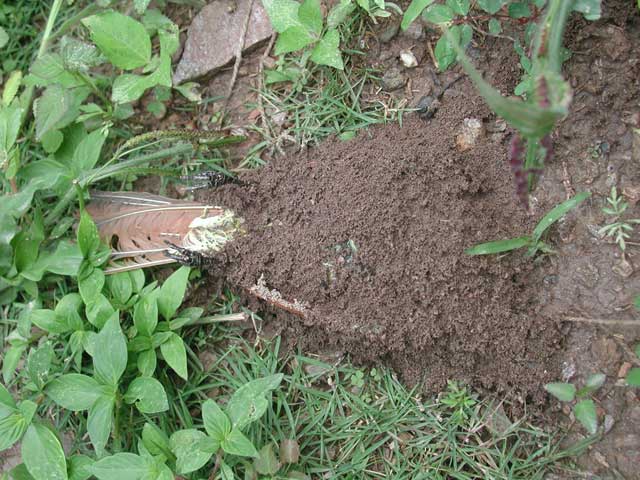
{"x":584,"y":409}
{"x":633,"y":376}
{"x":533,"y":242}
{"x":619,"y":229}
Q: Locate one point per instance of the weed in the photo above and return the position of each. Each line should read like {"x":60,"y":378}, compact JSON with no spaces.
{"x":532,"y":242}
{"x":619,"y":229}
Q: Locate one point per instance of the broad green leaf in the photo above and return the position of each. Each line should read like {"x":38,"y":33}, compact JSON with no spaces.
{"x":19,"y":472}
{"x":340,"y":12}
{"x":226,"y":473}
{"x":172,"y":292}
{"x":55,"y":109}
{"x":498,"y":246}
{"x":184,"y":446}
{"x":310,"y":15}
{"x":633,"y":377}
{"x":79,"y":56}
{"x":11,"y":86}
{"x":148,"y":394}
{"x":49,"y":69}
{"x":39,"y":364}
{"x":79,"y":467}
{"x":65,"y":260}
{"x":235,"y":443}
{"x":123,"y":466}
{"x":120,"y":287}
{"x":99,"y":311}
{"x":90,"y":283}
{"x":585,"y":412}
{"x":175,"y":355}
{"x":141,"y":6}
{"x":216,"y":422}
{"x":491,"y":6}
{"x":145,"y":314}
{"x":88,"y":238}
{"x":459,"y":7}
{"x":11,"y":357}
{"x":565,"y":392}
{"x":110,"y":355}
{"x":74,"y":391}
{"x":413,"y":11}
{"x":155,"y":440}
{"x":12,"y":427}
{"x":438,"y":14}
{"x":4,"y":37}
{"x":48,"y":321}
{"x":445,"y":53}
{"x":9,"y":128}
{"x":557,"y":213}
{"x":495,"y":27}
{"x":88,"y":152}
{"x":593,"y":383}
{"x":292,"y":39}
{"x":147,"y":362}
{"x":266,"y":463}
{"x":42,"y":454}
{"x":327,"y":51}
{"x":52,"y":140}
{"x":282,"y":13}
{"x":591,"y":9}
{"x":137,"y":279}
{"x":99,"y":422}
{"x":7,"y":404}
{"x":249,"y":402}
{"x":123,"y":40}
{"x":519,"y":10}
{"x":129,"y":87}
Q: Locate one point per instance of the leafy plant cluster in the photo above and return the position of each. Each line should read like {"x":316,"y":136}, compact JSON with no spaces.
{"x":618,"y":228}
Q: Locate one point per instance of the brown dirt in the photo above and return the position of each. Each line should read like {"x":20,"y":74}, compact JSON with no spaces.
{"x":411,"y":203}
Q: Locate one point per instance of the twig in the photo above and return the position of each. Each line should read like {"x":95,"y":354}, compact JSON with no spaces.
{"x":263,"y":115}
{"x":236,"y":65}
{"x":601,"y":321}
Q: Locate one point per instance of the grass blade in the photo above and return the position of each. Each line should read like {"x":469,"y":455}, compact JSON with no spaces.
{"x":499,"y":246}
{"x":558,"y":212}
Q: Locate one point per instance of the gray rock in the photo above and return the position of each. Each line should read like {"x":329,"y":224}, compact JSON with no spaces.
{"x":389,"y":32}
{"x":393,"y":79}
{"x":415,"y":31}
{"x":215,"y":33}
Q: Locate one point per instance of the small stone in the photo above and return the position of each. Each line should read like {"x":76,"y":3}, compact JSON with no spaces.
{"x":472,"y":131}
{"x":408,"y":59}
{"x":415,"y":31}
{"x":608,"y":423}
{"x":215,"y":33}
{"x":386,"y":35}
{"x":393,"y":79}
{"x":623,"y":268}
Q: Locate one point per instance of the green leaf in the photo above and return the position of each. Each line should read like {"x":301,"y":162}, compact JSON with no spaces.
{"x":123,"y":40}
{"x":593,"y":383}
{"x":565,"y":392}
{"x":99,"y":422}
{"x":310,"y":15}
{"x":42,"y":454}
{"x":438,"y":14}
{"x":79,"y":467}
{"x":88,"y":238}
{"x":7,"y":404}
{"x":147,"y":362}
{"x":557,"y":213}
{"x":145,"y":314}
{"x":445,"y":54}
{"x":585,"y":412}
{"x":39,"y":364}
{"x":327,"y":51}
{"x":48,"y":321}
{"x":339,"y":13}
{"x":74,"y":391}
{"x":50,"y":69}
{"x":633,"y":377}
{"x":99,"y":310}
{"x":52,"y":140}
{"x":148,"y":394}
{"x":140,"y":6}
{"x":110,"y":355}
{"x":236,"y":443}
{"x":90,"y":283}
{"x":266,"y":462}
{"x":498,"y":246}
{"x":216,"y":422}
{"x":249,"y":402}
{"x":123,"y":466}
{"x":11,"y":86}
{"x":495,"y":27}
{"x":12,"y":427}
{"x":413,"y":11}
{"x":172,"y":292}
{"x":78,"y":56}
{"x":128,"y":87}
{"x":519,"y":10}
{"x":11,"y":357}
{"x":591,"y":9}
{"x":4,"y":37}
{"x":175,"y":355}
{"x":282,"y":13}
{"x":189,"y":458}
{"x":292,"y":39}
{"x":491,"y":6}
{"x":120,"y":287}
{"x":226,"y":473}
{"x":87,"y":154}
{"x":459,"y":7}
{"x":54,"y":110}
{"x":156,"y":441}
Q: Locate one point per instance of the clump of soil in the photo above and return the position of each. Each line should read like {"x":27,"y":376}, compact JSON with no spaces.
{"x":370,"y":235}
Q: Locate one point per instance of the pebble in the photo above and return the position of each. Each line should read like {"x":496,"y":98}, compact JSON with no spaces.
{"x":415,"y":31}
{"x":408,"y":59}
{"x":472,"y":131}
{"x":393,"y":79}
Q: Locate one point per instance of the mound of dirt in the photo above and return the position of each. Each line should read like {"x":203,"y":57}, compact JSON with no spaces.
{"x":370,"y":235}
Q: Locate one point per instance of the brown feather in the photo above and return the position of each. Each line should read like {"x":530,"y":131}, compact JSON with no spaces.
{"x":138,"y":225}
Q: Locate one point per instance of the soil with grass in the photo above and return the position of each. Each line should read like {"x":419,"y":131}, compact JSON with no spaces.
{"x":369,"y":235}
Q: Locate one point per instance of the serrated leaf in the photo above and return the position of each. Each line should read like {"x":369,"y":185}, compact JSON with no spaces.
{"x":148,"y":394}
{"x":42,"y":454}
{"x":327,"y":51}
{"x":79,"y":56}
{"x":565,"y":392}
{"x":413,"y":11}
{"x":585,"y":413}
{"x":54,"y":109}
{"x":123,"y":40}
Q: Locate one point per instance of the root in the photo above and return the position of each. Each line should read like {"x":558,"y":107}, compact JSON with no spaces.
{"x":274,"y":297}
